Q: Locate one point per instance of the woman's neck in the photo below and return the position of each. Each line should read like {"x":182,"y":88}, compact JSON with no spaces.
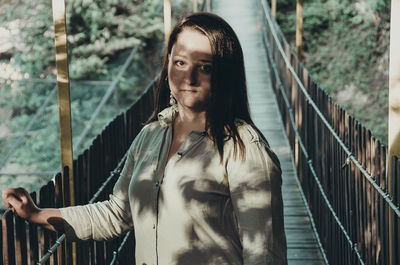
{"x":188,"y":121}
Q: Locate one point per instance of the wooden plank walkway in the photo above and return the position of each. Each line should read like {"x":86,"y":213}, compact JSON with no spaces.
{"x":243,"y":16}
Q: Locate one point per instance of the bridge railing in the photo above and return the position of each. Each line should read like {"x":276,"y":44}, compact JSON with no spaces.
{"x":341,"y":167}
{"x":96,"y":172}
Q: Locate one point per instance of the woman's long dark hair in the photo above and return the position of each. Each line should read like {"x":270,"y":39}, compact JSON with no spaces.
{"x":228,"y":83}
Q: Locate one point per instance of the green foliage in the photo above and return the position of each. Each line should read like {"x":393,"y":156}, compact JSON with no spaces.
{"x":97,"y":32}
{"x":381,"y":8}
{"x":101,"y":36}
{"x":285,"y":5}
{"x":345,"y":44}
{"x":315,"y":22}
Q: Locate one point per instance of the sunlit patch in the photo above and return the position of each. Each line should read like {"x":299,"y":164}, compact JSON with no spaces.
{"x":7,"y":71}
{"x":257,"y":243}
{"x":256,"y":199}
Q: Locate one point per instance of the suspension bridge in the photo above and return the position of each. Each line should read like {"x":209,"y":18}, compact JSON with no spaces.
{"x":337,"y":208}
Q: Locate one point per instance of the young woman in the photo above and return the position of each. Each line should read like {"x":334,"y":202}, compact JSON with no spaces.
{"x":200,"y":185}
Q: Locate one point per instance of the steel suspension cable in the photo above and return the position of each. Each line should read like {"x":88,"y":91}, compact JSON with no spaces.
{"x":350,"y":156}
{"x":20,"y":139}
{"x":116,"y":171}
{"x":38,"y":173}
{"x":286,"y":100}
{"x":309,"y":161}
{"x":60,"y":239}
{"x":53,"y":81}
{"x":106,"y":96}
{"x":121,"y":246}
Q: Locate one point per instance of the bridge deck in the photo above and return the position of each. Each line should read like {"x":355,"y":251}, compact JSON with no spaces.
{"x":243,"y":16}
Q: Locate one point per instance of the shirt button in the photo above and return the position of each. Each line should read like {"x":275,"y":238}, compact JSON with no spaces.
{"x":154,"y":226}
{"x":157,"y":184}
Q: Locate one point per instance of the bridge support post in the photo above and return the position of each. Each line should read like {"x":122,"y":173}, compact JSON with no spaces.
{"x":273,"y":8}
{"x":167,"y":19}
{"x":394,"y":106}
{"x":208,"y":5}
{"x":64,"y":104}
{"x":299,"y":28}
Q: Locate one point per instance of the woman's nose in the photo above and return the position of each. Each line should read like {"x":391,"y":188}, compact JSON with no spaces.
{"x":191,"y":76}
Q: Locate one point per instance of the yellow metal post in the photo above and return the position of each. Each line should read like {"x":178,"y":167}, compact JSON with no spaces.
{"x":63,"y":90}
{"x":273,"y":8}
{"x":167,"y":19}
{"x":208,"y":2}
{"x":195,"y":6}
{"x":394,"y":105}
{"x":60,"y":32}
{"x":299,"y":28}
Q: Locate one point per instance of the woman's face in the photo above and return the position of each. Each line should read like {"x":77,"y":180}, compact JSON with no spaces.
{"x":189,"y":70}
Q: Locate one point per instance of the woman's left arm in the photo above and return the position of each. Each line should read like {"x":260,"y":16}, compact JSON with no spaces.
{"x":255,"y":188}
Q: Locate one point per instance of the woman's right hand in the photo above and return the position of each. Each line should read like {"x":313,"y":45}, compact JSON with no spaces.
{"x":20,"y":203}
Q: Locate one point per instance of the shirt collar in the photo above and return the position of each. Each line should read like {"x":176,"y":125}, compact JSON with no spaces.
{"x":167,"y":116}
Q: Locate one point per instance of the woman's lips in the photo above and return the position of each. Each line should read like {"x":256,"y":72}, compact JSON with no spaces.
{"x":189,"y":90}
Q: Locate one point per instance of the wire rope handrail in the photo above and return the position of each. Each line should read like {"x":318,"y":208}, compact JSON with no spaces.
{"x":116,"y":252}
{"x":292,"y":122}
{"x":115,"y":172}
{"x":38,"y":173}
{"x":60,"y":239}
{"x":106,"y":96}
{"x":320,"y":188}
{"x":350,"y":156}
{"x":103,"y":101}
{"x":20,"y":139}
{"x":88,"y":126}
{"x":125,"y":240}
{"x":54,"y":81}
{"x":90,"y":123}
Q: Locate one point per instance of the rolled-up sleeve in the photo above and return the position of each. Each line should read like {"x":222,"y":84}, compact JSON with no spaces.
{"x":255,"y":189}
{"x":103,"y":220}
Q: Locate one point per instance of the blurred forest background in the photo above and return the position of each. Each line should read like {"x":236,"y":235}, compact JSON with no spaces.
{"x":346,"y":49}
{"x":101,"y":35}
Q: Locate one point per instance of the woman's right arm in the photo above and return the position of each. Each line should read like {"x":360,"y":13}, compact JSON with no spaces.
{"x":103,"y":220}
{"x":21,"y":203}
{"x":98,"y":221}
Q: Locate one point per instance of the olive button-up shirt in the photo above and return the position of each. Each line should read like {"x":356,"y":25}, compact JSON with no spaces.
{"x":194,"y":208}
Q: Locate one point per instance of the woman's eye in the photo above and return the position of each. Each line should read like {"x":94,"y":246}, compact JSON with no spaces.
{"x":206,"y":68}
{"x":179,"y":63}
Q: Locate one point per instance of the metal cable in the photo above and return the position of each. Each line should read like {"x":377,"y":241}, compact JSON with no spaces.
{"x":350,"y":156}
{"x":108,"y":94}
{"x":52,"y":250}
{"x":88,"y":125}
{"x":38,"y":113}
{"x":40,"y":173}
{"x":54,"y":81}
{"x":286,"y":100}
{"x":293,"y":124}
{"x":59,"y":241}
{"x":116,"y":171}
{"x":100,"y":190}
{"x":116,"y":253}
